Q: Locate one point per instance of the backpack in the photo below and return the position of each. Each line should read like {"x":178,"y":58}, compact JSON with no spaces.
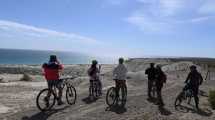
{"x":163,"y":78}
{"x":91,"y":71}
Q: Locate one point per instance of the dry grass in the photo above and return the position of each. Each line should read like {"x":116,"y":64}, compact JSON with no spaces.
{"x":212,"y":98}
{"x":26,"y":77}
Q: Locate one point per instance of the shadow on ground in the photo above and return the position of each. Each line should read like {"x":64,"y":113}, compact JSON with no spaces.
{"x":203,"y":93}
{"x":89,"y":100}
{"x":185,"y":109}
{"x":44,"y":115}
{"x":117,"y":109}
{"x":152,"y":100}
{"x":164,"y":111}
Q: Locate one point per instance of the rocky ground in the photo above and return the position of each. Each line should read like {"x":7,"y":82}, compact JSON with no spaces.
{"x":17,"y":98}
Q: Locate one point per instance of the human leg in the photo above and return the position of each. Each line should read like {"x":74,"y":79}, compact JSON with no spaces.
{"x":196,"y":98}
{"x":149,"y":88}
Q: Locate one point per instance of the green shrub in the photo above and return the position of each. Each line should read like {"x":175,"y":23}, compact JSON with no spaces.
{"x":26,"y":77}
{"x":212,"y":98}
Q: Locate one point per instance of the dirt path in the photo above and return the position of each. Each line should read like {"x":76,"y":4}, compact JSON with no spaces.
{"x":137,"y":108}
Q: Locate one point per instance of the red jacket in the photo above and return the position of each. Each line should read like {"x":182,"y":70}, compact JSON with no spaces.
{"x":51,"y":70}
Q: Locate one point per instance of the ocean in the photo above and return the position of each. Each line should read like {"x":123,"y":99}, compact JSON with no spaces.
{"x":17,"y":56}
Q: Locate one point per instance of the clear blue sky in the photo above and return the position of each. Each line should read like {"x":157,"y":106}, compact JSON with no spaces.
{"x":132,"y":28}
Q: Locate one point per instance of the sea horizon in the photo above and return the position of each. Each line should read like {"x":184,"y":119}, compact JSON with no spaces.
{"x":10,"y":56}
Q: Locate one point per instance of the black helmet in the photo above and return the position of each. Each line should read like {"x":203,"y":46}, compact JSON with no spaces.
{"x":121,"y":60}
{"x":53,"y":58}
{"x":94,"y":62}
{"x":193,"y":67}
{"x":152,"y":64}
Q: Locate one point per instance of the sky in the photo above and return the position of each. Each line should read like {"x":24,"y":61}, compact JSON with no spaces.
{"x":111,"y":28}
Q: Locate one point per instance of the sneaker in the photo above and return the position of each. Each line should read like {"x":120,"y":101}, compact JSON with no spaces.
{"x":161,"y":104}
{"x":60,"y":103}
{"x":91,"y":98}
{"x":197,"y":108}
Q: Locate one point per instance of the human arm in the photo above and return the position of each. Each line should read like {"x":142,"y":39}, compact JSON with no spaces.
{"x":147,"y":71}
{"x":200,"y":79}
{"x":60,"y":68}
{"x":188,"y":78}
{"x":43,"y":68}
{"x":114,"y":71}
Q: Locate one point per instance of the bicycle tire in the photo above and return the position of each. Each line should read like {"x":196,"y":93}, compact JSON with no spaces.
{"x":124,"y":96}
{"x":179,"y":99}
{"x":39,"y":106}
{"x":154,"y":91}
{"x":112,"y":94}
{"x":71,"y":91}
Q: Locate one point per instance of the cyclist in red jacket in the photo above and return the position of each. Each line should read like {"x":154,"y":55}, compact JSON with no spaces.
{"x":51,"y":72}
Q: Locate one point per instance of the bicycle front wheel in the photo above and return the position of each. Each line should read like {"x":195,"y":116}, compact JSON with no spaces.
{"x":45,"y":100}
{"x":71,"y":95}
{"x":122,"y":96}
{"x":111,"y":96}
{"x":179,"y":99}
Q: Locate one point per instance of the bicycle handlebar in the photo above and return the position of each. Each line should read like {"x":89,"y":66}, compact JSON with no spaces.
{"x":67,"y":78}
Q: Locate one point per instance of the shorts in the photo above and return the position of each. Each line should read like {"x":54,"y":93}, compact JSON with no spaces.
{"x":56,"y":83}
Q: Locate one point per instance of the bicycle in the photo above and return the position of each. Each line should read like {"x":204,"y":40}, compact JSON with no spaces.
{"x":113,"y":98}
{"x":184,"y":95}
{"x":95,"y":88}
{"x":45,"y":103}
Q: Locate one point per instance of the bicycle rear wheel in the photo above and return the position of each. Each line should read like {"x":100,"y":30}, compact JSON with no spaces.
{"x":71,"y":95}
{"x":111,"y":96}
{"x":44,"y":101}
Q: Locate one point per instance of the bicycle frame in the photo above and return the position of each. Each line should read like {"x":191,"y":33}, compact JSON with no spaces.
{"x":65,"y":82}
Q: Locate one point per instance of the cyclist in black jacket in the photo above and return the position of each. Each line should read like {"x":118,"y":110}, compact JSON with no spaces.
{"x":160,"y":80}
{"x":151,"y":72}
{"x":193,"y":81}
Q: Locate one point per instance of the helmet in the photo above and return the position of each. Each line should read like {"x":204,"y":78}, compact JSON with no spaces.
{"x":94,"y":62}
{"x":121,"y":60}
{"x":53,"y":58}
{"x":193,"y":67}
{"x":152,"y":64}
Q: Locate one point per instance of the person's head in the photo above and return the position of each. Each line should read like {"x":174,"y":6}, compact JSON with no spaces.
{"x":158,"y":67}
{"x":53,"y":58}
{"x":121,"y":60}
{"x":152,"y":65}
{"x":193,"y":68}
{"x":94,"y":63}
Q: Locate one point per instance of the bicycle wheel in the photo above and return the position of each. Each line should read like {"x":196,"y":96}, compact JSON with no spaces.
{"x":92,"y":89}
{"x":154,"y":91}
{"x":179,"y":99}
{"x":122,"y":96}
{"x":71,"y":95}
{"x":189,"y":97}
{"x":45,"y":102}
{"x":111,"y":96}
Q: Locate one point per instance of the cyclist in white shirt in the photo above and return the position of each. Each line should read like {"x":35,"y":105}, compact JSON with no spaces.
{"x":119,"y":74}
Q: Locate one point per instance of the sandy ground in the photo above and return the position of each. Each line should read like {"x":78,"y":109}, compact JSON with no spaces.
{"x":17,"y":99}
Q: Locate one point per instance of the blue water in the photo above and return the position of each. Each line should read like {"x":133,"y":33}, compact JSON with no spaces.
{"x":14,"y":56}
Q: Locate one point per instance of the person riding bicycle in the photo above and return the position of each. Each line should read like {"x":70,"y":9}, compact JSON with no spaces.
{"x":119,"y":74}
{"x":51,"y":72}
{"x":151,"y":72}
{"x":193,"y":81}
{"x":160,"y":80}
{"x":93,"y":73}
